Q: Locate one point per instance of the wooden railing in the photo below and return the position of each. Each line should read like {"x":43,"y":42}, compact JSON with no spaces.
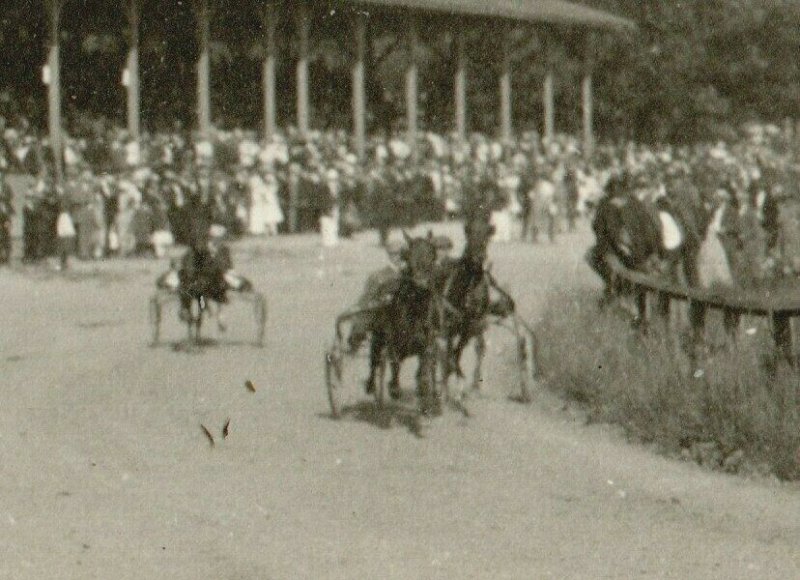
{"x":778,"y":307}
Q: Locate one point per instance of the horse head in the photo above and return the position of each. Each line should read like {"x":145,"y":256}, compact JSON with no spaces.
{"x":478,"y":233}
{"x":420,"y":258}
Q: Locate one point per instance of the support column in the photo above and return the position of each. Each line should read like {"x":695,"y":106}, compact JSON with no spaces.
{"x":270,"y":17}
{"x":134,"y":99}
{"x":54,"y":88}
{"x":506,"y":123}
{"x":359,"y":89}
{"x":461,"y":81}
{"x":412,"y":77}
{"x":548,"y":91}
{"x":303,"y":24}
{"x":204,"y":69}
{"x":586,"y":91}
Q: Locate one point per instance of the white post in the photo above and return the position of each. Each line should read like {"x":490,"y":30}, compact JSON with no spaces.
{"x":461,"y":81}
{"x":54,"y":88}
{"x":412,"y":76}
{"x":506,"y":122}
{"x":268,"y":71}
{"x":359,"y":90}
{"x":586,"y":90}
{"x":303,"y":108}
{"x":204,"y":69}
{"x":134,"y":100}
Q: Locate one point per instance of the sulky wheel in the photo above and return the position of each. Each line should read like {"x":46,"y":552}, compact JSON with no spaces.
{"x":333,"y":380}
{"x":260,"y":312}
{"x":155,"y":320}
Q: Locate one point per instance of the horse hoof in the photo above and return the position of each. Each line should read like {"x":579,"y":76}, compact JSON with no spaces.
{"x":422,"y":425}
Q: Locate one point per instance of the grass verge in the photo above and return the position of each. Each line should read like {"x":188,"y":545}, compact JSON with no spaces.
{"x":738,"y":410}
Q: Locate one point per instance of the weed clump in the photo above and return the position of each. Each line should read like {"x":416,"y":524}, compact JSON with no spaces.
{"x":736,"y":409}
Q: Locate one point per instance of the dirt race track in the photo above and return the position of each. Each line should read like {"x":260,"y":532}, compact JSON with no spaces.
{"x":105,"y":472}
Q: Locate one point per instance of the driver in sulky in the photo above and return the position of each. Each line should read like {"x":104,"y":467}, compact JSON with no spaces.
{"x":208,"y":260}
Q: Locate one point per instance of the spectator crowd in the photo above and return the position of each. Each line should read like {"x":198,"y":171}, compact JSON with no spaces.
{"x":124,"y":197}
{"x":131,"y":198}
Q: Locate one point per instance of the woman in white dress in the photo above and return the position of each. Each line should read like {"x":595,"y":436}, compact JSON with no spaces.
{"x":273,"y":214}
{"x":258,"y":204}
{"x":713,"y":267}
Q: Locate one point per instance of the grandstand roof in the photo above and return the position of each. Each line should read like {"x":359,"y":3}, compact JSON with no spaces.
{"x":550,"y":11}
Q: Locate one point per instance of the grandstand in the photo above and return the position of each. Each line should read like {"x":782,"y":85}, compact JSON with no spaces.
{"x":354,"y":20}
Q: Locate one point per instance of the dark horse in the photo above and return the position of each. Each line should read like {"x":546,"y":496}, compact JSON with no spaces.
{"x":201,"y":281}
{"x":409,"y":325}
{"x":466,"y":286}
{"x":663,"y":236}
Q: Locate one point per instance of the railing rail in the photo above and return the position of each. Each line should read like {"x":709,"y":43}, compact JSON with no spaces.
{"x":779,"y":308}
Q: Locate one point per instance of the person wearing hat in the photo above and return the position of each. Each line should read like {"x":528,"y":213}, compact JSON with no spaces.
{"x":378,"y":286}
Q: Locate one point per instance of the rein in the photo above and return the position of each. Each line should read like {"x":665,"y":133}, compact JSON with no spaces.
{"x":517,"y":319}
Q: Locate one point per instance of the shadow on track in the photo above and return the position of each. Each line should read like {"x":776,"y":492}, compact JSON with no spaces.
{"x":383,"y":416}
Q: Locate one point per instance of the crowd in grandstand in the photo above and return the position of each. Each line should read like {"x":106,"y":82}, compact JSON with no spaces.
{"x":124,"y":197}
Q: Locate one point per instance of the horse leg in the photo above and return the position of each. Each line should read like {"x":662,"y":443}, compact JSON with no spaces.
{"x":425,"y":379}
{"x":187,"y":315}
{"x":454,"y":362}
{"x":221,"y":326}
{"x":394,"y":381}
{"x":198,"y":320}
{"x":447,"y":368}
{"x":375,"y":359}
{"x":480,"y":353}
{"x":189,"y":332}
{"x":595,"y":257}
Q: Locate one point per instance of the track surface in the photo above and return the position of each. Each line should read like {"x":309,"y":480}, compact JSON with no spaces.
{"x":105,"y":472}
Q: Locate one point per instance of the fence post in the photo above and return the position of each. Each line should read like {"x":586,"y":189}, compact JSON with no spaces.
{"x":730,"y":321}
{"x":697,"y":319}
{"x":782,"y":335}
{"x":662,"y":308}
{"x":641,"y":306}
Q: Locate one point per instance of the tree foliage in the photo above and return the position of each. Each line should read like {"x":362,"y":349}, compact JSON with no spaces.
{"x":693,"y":70}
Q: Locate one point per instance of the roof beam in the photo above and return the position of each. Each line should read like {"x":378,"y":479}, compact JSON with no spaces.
{"x":550,"y":11}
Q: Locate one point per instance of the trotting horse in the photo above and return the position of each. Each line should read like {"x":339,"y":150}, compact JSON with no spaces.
{"x":409,"y":326}
{"x":466,"y":286}
{"x":201,"y":283}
